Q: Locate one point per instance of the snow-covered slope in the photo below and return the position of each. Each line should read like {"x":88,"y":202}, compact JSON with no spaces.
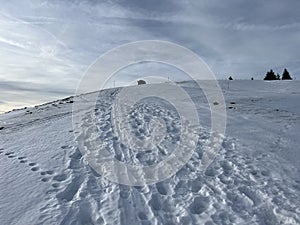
{"x":255,"y":178}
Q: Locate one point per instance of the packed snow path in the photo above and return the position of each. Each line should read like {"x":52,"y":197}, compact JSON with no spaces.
{"x":44,"y":179}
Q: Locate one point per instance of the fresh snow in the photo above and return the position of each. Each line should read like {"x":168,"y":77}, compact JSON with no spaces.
{"x":254,"y":179}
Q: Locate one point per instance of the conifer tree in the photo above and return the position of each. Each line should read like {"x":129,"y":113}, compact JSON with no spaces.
{"x":270,"y":75}
{"x":286,"y":75}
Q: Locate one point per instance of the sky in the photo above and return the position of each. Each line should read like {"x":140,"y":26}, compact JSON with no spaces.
{"x":46,"y":46}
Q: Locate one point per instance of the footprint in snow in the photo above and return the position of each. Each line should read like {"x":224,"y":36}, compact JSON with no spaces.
{"x":50,"y":175}
{"x":10,"y":154}
{"x":47,"y":175}
{"x":22,"y":159}
{"x":56,"y":179}
{"x":34,"y":166}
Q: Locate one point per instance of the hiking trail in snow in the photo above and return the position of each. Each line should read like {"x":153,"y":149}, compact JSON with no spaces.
{"x":49,"y":171}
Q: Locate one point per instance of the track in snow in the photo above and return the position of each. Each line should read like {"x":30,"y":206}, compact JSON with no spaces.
{"x":237,"y":188}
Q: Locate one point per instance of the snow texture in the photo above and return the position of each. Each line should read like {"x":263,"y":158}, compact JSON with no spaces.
{"x":254,"y":179}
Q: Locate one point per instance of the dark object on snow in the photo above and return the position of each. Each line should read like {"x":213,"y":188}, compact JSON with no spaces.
{"x":252,"y":78}
{"x":1,"y":128}
{"x":230,"y":78}
{"x":140,"y":82}
{"x":286,"y":75}
{"x":270,"y":75}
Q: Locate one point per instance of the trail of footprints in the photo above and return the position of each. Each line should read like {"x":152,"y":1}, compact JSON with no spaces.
{"x":66,"y":198}
{"x":82,"y":198}
{"x":22,"y":159}
{"x":46,"y":175}
{"x":233,"y":190}
{"x":223,"y":194}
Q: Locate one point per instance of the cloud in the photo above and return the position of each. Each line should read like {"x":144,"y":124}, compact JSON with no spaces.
{"x":53,"y":42}
{"x":17,"y":86}
{"x":16,"y":94}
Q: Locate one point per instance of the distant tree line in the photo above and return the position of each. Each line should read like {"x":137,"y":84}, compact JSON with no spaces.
{"x":272,"y":76}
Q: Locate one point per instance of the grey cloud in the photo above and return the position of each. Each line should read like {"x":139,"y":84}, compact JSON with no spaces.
{"x":18,"y":86}
{"x":167,"y":6}
{"x":54,"y":42}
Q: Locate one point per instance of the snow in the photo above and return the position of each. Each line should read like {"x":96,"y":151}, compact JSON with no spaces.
{"x":254,"y":179}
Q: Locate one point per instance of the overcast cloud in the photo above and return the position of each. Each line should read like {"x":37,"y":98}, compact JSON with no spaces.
{"x":45,"y":46}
